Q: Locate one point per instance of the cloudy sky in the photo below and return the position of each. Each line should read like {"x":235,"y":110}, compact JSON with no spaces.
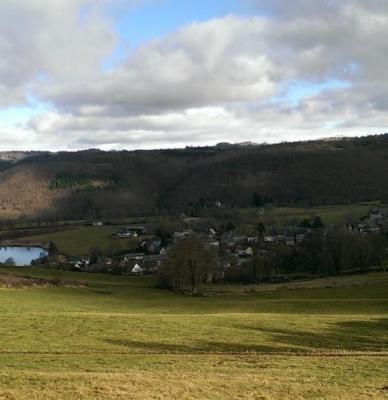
{"x":114,"y":74}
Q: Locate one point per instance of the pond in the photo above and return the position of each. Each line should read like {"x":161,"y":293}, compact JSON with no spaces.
{"x":22,"y":256}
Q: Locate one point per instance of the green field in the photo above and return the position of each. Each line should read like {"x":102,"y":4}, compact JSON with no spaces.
{"x":77,"y":241}
{"x":121,"y":338}
{"x":335,"y":214}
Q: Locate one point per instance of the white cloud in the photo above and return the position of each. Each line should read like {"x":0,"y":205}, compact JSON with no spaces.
{"x":207,"y":82}
{"x":203,"y":64}
{"x":65,"y":40}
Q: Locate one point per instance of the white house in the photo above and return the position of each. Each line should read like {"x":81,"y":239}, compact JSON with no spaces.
{"x":137,"y":269}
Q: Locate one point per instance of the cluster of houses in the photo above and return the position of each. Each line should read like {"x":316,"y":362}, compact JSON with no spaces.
{"x":241,"y":246}
{"x":146,"y":260}
{"x":289,"y":236}
{"x":152,"y":251}
{"x":130,"y":232}
{"x":375,"y":222}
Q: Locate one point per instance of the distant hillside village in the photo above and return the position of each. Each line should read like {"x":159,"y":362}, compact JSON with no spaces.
{"x":270,"y":253}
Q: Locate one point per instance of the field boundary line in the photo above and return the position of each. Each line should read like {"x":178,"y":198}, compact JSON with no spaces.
{"x":231,"y":354}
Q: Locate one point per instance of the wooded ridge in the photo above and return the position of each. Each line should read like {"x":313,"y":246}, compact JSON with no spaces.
{"x":98,"y":184}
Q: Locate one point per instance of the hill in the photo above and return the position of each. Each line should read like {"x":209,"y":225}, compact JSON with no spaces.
{"x":13,"y":156}
{"x":97,"y":184}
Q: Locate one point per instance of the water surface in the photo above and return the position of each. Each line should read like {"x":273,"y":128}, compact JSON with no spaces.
{"x":23,"y":256}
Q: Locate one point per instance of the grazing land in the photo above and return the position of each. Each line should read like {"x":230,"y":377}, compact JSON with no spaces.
{"x":78,"y":241}
{"x":333,"y":214}
{"x":121,"y":338}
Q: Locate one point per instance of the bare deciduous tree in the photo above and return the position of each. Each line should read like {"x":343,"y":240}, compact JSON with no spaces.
{"x":189,"y":264}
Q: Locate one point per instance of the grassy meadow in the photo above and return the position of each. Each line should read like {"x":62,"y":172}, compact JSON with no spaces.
{"x":78,"y":241}
{"x":333,"y":214}
{"x":329,"y":214}
{"x":121,"y":338}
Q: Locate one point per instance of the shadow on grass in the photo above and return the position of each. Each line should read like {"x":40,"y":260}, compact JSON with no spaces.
{"x":363,"y":336}
{"x":194,"y":348}
{"x":347,"y":335}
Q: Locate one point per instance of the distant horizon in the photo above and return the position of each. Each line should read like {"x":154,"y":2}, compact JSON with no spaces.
{"x":242,"y":144}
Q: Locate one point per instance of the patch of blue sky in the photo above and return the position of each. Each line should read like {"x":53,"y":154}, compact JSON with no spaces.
{"x":20,"y":115}
{"x":352,"y":68}
{"x":155,"y":19}
{"x":158,"y":18}
{"x":299,"y":90}
{"x":334,"y":124}
{"x":115,"y":59}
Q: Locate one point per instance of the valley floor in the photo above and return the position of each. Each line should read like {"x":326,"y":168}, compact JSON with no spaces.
{"x":120,"y":338}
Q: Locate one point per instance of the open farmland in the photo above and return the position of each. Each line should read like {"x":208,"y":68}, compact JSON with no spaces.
{"x":78,"y":241}
{"x":115,"y":337}
{"x":333,"y":214}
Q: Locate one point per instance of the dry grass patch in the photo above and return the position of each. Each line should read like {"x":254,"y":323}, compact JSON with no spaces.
{"x":205,"y":377}
{"x":19,"y":282}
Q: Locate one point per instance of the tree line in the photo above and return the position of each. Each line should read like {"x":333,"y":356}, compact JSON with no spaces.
{"x":323,"y":253}
{"x":113,"y":184}
{"x":192,"y":263}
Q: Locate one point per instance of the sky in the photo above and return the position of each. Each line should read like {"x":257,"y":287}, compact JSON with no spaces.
{"x":145,"y":74}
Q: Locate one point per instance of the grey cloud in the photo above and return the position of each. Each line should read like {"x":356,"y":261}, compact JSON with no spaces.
{"x":314,"y":8}
{"x":203,"y":64}
{"x":41,"y":37}
{"x":207,"y":82}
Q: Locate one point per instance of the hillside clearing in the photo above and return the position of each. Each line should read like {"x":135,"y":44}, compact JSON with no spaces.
{"x":332,"y":214}
{"x":78,"y":241}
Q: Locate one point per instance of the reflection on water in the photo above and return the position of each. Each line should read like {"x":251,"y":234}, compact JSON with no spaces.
{"x":22,"y":256}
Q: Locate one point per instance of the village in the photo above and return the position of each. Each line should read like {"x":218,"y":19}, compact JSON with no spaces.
{"x":232,"y":245}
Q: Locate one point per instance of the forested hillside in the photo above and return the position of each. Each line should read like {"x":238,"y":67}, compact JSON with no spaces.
{"x":97,"y":184}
